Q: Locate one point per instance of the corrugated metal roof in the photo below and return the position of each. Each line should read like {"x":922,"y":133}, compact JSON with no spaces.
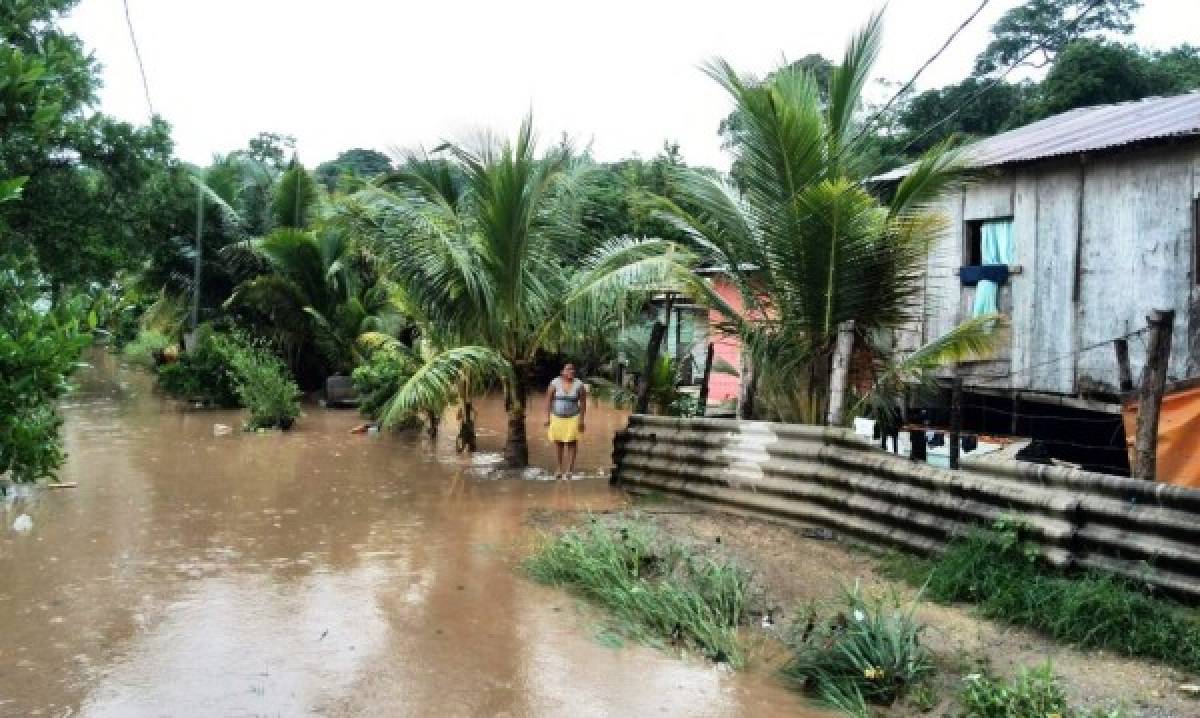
{"x":1086,"y":129}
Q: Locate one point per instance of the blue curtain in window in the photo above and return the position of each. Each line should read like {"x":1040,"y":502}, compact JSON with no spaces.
{"x":996,"y":247}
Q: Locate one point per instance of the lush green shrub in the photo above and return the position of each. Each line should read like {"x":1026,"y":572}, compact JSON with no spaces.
{"x":205,"y":373}
{"x":144,"y":349}
{"x":379,"y":378}
{"x":1034,"y":693}
{"x":868,"y":650}
{"x":40,"y":344}
{"x":659,"y":592}
{"x":264,"y":387}
{"x":1004,"y":575}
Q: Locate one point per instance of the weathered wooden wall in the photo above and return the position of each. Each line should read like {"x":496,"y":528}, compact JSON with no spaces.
{"x":1100,"y":241}
{"x":812,"y":475}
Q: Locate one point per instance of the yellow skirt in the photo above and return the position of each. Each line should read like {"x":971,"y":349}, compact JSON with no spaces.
{"x":564,"y":429}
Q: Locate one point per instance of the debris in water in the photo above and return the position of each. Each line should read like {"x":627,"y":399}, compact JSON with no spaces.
{"x":323,"y":634}
{"x":1191,"y":689}
{"x":23,"y":523}
{"x":63,"y":485}
{"x":222,"y":430}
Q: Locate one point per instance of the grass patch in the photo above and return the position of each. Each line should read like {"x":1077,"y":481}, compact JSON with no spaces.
{"x":867,"y":651}
{"x":1004,"y":576}
{"x":1034,"y":692}
{"x":658,"y":591}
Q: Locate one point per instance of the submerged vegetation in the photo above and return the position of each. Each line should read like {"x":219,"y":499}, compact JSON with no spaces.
{"x":1007,"y":581}
{"x":659,"y":591}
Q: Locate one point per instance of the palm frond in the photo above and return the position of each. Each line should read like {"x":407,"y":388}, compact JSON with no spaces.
{"x":435,"y":385}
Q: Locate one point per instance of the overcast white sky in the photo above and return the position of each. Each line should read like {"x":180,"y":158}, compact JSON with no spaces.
{"x":620,"y":74}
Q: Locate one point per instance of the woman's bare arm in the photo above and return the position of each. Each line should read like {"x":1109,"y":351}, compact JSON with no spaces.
{"x":549,"y":403}
{"x":583,"y":399}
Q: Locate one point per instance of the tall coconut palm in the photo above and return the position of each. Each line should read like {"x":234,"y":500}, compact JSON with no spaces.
{"x":485,"y":240}
{"x":805,"y":242}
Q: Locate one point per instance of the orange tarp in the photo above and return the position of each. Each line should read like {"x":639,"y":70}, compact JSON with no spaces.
{"x":1178,"y":436}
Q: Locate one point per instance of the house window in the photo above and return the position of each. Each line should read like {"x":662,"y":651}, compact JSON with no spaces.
{"x":988,"y":249}
{"x":988,"y":241}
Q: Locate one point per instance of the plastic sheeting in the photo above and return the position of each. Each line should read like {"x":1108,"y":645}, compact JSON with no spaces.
{"x":996,"y":247}
{"x":1178,"y":429}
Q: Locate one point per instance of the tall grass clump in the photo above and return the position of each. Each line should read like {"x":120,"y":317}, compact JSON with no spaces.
{"x":659,"y":592}
{"x":867,"y":651}
{"x":1034,"y":692}
{"x":1006,"y":578}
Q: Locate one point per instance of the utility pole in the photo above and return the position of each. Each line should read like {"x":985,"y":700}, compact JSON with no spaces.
{"x":1154,"y":380}
{"x":195,"y":319}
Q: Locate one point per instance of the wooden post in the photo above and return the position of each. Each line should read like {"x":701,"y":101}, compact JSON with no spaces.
{"x":1124,"y":373}
{"x":657,"y":332}
{"x":679,"y":339}
{"x":955,"y":419}
{"x":708,"y":360}
{"x":195,"y":317}
{"x":840,"y":373}
{"x":1154,"y":379}
{"x":749,"y":385}
{"x":916,"y":440}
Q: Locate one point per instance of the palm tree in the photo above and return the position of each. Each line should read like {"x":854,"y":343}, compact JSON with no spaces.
{"x":807,"y":246}
{"x":486,"y":242}
{"x":315,"y":290}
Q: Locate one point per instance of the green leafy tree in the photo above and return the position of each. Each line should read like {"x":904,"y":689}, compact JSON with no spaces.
{"x":358,"y":163}
{"x":38,"y":350}
{"x":271,"y":149}
{"x":972,"y":112}
{"x":803,"y":241}
{"x":93,"y":199}
{"x":1045,"y":27}
{"x":1095,"y":72}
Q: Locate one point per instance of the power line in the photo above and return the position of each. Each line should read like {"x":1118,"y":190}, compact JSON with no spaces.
{"x":905,"y":88}
{"x":138,"y":54}
{"x":1000,"y":78}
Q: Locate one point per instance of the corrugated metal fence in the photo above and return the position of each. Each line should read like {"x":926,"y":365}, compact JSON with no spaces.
{"x":825,"y":476}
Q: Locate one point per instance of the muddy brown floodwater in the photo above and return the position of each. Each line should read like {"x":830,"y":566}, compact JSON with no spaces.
{"x":316,"y":572}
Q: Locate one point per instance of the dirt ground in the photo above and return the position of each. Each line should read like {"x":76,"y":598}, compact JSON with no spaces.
{"x":791,"y":571}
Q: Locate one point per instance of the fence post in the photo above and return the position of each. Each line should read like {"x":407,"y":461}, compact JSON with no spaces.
{"x":956,"y":389}
{"x":1154,"y":379}
{"x":708,"y":360}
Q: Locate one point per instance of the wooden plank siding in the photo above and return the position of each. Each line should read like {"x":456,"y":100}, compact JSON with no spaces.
{"x":1100,"y":241}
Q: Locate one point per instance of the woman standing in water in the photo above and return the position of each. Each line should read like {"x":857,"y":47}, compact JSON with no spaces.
{"x":566,"y":406}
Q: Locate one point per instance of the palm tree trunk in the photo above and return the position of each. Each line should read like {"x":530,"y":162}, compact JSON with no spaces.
{"x":516,"y":447}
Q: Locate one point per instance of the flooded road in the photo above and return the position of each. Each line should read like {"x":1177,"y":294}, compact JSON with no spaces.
{"x":316,"y":572}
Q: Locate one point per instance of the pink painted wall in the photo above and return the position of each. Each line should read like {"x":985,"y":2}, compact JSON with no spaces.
{"x":722,"y":387}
